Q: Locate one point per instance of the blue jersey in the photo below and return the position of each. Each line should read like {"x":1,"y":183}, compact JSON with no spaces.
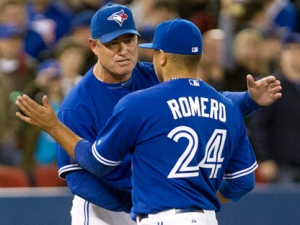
{"x":88,"y":106}
{"x":86,"y":109}
{"x":184,"y":138}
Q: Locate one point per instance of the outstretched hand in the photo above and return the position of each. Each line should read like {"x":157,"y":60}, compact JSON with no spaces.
{"x":44,"y":117}
{"x":41,"y":116}
{"x":264,"y":91}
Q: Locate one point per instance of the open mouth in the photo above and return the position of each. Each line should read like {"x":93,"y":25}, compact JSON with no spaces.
{"x":123,"y":62}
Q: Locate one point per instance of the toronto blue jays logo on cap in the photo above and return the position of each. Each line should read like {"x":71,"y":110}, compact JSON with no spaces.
{"x":119,"y":17}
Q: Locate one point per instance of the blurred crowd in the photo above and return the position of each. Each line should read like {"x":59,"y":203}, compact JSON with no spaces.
{"x":44,"y":50}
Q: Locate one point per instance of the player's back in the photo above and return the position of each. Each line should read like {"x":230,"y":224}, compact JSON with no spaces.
{"x":188,"y":136}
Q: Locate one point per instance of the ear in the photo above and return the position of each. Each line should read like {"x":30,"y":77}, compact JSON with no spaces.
{"x":93,"y":44}
{"x":163,"y":58}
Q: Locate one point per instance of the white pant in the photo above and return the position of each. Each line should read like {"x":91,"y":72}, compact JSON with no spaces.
{"x":86,"y":213}
{"x":170,"y":217}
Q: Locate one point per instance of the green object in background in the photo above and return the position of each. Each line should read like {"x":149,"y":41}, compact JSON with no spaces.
{"x":14,"y":95}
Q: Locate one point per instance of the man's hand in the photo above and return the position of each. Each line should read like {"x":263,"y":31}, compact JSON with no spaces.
{"x":37,"y":115}
{"x":44,"y":117}
{"x":221,"y":198}
{"x":264,"y":91}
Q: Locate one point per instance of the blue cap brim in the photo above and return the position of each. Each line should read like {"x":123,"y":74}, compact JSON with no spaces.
{"x":146,"y":45}
{"x":111,"y":36}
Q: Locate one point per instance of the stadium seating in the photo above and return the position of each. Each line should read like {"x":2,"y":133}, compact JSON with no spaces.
{"x":47,"y":176}
{"x":12,"y":177}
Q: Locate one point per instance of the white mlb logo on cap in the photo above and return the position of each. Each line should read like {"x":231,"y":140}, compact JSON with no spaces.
{"x":195,"y":49}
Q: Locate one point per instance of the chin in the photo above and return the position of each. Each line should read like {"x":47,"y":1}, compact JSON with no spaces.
{"x":126,"y":70}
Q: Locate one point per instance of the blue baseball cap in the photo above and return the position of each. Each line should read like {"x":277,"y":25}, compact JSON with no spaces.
{"x":112,"y":21}
{"x":49,"y":66}
{"x":177,"y":36}
{"x":82,"y":19}
{"x":292,"y":38}
{"x":8,"y":30}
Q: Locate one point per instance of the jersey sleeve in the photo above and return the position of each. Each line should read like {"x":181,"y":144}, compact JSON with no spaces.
{"x":99,"y":192}
{"x":235,"y":189}
{"x":239,"y":174}
{"x":243,"y":100}
{"x":119,"y":134}
{"x":243,"y":160}
{"x":76,"y":122}
{"x":84,"y":184}
{"x":114,"y":142}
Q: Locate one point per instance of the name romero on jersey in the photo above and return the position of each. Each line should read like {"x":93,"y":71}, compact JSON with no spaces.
{"x":202,"y":107}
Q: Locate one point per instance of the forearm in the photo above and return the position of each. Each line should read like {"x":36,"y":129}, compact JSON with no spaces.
{"x":234,"y":189}
{"x":243,"y":101}
{"x":65,"y":138}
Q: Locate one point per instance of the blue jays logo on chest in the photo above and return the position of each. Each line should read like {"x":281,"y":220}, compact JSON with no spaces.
{"x":119,"y":17}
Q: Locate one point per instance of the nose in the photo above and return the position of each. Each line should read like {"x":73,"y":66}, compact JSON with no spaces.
{"x":122,"y":47}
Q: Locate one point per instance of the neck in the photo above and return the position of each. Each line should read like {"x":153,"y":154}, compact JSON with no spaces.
{"x":108,"y":77}
{"x":180,"y":74}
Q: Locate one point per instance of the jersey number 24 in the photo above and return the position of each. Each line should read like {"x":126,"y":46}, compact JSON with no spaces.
{"x":213,"y":152}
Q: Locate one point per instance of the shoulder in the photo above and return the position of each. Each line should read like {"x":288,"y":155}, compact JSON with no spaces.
{"x":149,"y":95}
{"x":144,"y":67}
{"x":83,"y":90}
{"x":144,"y":75}
{"x":213,"y":92}
{"x":230,"y":106}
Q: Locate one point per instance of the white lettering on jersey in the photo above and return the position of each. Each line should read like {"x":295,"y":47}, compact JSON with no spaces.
{"x":203,"y":107}
{"x":213,"y":153}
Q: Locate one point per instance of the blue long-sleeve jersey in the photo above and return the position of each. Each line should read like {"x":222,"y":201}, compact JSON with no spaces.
{"x":184,"y":139}
{"x":85,"y":110}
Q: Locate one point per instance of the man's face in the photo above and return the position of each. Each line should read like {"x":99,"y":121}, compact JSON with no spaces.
{"x":14,"y":13}
{"x":10,"y":48}
{"x":118,"y":57}
{"x":290,"y":61}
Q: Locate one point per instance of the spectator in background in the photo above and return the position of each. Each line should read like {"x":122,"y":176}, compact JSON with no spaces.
{"x":256,"y":15}
{"x":142,"y":10}
{"x":283,"y":13}
{"x":271,"y":48}
{"x":48,"y":81}
{"x":39,"y":148}
{"x":210,"y":65}
{"x":197,"y":12}
{"x":153,"y":13}
{"x":71,"y":57}
{"x":274,"y":130}
{"x":236,"y":16}
{"x":297,"y":4}
{"x":148,"y":14}
{"x":14,"y":12}
{"x":248,"y":60}
{"x":16,"y":71}
{"x":80,"y":31}
{"x":14,"y":62}
{"x":9,"y":155}
{"x":50,"y":21}
{"x":229,"y":18}
{"x":74,"y":7}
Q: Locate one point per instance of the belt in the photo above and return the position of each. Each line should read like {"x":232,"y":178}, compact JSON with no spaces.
{"x":177,"y":211}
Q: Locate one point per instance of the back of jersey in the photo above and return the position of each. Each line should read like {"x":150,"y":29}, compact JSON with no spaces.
{"x":190,"y":138}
